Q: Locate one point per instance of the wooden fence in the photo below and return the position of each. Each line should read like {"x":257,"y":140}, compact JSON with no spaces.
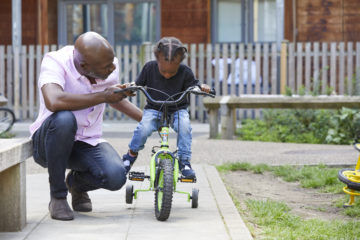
{"x":232,"y":69}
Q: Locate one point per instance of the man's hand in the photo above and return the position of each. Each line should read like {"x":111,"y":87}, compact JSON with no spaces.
{"x":126,"y":85}
{"x":205,"y":88}
{"x":112,"y":97}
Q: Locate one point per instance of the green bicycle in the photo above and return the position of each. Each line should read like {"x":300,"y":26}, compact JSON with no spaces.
{"x":164,"y":165}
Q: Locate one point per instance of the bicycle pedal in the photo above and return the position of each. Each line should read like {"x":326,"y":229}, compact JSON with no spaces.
{"x":187,"y":180}
{"x":137,"y":176}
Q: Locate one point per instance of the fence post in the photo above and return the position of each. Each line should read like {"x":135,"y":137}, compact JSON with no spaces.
{"x":357,"y":68}
{"x":283,"y":66}
{"x":16,"y":85}
{"x":2,"y":70}
{"x":144,"y":58}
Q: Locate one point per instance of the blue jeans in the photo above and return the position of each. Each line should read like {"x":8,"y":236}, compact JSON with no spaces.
{"x":150,"y":122}
{"x":54,"y":147}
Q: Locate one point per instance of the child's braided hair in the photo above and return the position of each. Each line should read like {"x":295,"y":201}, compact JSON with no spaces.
{"x":171,"y":48}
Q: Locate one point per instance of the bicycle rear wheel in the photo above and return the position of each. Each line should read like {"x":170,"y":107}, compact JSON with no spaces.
{"x":7,"y":119}
{"x":350,"y":177}
{"x":164,"y":190}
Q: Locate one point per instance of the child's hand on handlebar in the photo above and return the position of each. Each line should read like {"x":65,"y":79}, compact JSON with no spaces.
{"x":205,"y":88}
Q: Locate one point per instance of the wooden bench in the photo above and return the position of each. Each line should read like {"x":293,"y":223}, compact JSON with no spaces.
{"x":228,"y":104}
{"x":13,"y":153}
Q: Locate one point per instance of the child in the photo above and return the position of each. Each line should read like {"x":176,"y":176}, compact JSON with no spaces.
{"x":168,"y":75}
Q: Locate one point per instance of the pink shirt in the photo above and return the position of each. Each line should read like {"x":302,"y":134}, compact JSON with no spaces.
{"x":58,"y":67}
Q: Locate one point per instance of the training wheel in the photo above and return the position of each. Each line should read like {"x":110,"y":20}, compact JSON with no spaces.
{"x":194,"y":198}
{"x":129,"y":193}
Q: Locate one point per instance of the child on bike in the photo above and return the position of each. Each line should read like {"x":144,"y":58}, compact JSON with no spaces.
{"x":165,"y":77}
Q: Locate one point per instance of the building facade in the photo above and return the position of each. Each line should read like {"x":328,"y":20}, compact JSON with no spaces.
{"x":193,"y":21}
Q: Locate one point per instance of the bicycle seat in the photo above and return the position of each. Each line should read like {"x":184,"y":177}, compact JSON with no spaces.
{"x":357,"y":146}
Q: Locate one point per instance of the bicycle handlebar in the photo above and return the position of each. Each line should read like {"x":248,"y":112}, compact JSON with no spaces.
{"x":193,"y":89}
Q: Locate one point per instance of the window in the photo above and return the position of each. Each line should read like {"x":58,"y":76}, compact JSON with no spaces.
{"x":135,"y":22}
{"x":229,"y":21}
{"x":120,"y":21}
{"x":81,"y":18}
{"x":245,"y":20}
{"x":264,"y":20}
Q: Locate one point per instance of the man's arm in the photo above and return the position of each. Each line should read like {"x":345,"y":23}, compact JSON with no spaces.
{"x":56,"y":99}
{"x":129,"y":109}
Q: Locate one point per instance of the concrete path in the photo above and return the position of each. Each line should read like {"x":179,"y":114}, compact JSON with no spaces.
{"x":216,"y":218}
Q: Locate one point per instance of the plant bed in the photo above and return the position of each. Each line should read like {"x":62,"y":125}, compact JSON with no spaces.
{"x":277,"y":209}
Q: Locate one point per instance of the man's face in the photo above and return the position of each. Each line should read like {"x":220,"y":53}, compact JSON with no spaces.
{"x":101,"y":70}
{"x":168,"y":69}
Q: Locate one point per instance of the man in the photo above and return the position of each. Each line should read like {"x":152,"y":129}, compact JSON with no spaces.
{"x":75,"y":82}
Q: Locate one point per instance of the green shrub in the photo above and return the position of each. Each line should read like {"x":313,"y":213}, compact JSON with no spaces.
{"x":298,"y":126}
{"x":303,"y":126}
{"x":344,"y":127}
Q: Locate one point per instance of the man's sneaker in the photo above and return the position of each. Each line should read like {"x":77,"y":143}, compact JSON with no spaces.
{"x":186,"y":170}
{"x":80,"y":200}
{"x":128,"y":161}
{"x":60,"y":210}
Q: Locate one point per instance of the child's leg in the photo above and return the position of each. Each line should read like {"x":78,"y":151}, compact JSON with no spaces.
{"x":149,"y":123}
{"x":144,"y":129}
{"x":182,"y":126}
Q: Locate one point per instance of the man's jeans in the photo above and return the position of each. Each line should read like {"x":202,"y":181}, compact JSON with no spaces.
{"x":54,"y":147}
{"x":150,"y":122}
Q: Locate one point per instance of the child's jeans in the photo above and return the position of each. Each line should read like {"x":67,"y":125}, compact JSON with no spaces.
{"x":150,"y":122}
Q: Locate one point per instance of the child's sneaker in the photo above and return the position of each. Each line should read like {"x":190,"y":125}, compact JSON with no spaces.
{"x":186,"y":170}
{"x":128,"y":161}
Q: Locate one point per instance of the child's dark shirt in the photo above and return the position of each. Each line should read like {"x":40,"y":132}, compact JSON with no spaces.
{"x":151,"y":78}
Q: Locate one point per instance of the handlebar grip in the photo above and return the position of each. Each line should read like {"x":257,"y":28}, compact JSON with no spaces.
{"x":131,"y":88}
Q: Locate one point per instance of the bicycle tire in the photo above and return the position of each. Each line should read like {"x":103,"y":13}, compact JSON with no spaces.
{"x":195,"y":198}
{"x":129,"y":193}
{"x":164,"y":190}
{"x":7,"y":119}
{"x":347,"y":181}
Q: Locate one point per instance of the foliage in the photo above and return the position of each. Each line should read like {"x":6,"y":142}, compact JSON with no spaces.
{"x":303,"y":126}
{"x":298,"y":126}
{"x":7,"y":135}
{"x":344,"y":127}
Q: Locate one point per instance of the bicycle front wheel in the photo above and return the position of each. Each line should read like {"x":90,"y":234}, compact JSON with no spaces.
{"x":164,"y":190}
{"x":7,"y":119}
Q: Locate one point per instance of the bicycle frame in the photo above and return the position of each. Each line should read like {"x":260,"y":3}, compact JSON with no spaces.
{"x":163,"y":153}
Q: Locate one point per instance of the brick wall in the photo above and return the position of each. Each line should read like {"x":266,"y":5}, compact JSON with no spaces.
{"x":5,"y":22}
{"x":187,"y":20}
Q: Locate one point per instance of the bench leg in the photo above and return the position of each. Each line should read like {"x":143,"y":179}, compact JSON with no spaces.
{"x":213,"y":123}
{"x":13,"y":198}
{"x":227,"y":122}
